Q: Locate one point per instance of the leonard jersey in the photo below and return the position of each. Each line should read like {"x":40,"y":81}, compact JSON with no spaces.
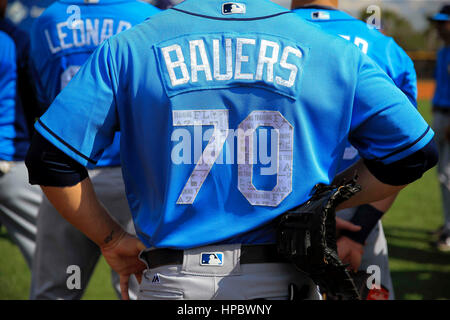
{"x":229,"y":117}
{"x":67,"y":33}
{"x":382,"y":49}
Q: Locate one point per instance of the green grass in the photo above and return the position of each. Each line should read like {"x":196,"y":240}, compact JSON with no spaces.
{"x":418,"y":270}
{"x":15,"y":276}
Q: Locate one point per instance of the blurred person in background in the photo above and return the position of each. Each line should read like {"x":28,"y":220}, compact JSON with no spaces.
{"x":366,"y":247}
{"x":23,"y":12}
{"x":19,"y":201}
{"x":441,"y":120}
{"x":62,"y":39}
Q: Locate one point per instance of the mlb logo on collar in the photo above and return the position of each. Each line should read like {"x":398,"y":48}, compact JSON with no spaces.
{"x":91,"y":1}
{"x":211,"y":259}
{"x":233,"y":8}
{"x":320,"y":15}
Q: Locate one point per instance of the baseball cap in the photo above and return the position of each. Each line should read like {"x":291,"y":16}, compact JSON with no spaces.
{"x":443,"y":15}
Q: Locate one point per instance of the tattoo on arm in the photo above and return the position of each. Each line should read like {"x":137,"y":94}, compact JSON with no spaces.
{"x":109,"y":237}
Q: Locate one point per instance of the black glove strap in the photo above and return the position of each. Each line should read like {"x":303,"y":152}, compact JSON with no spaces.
{"x":367,"y":217}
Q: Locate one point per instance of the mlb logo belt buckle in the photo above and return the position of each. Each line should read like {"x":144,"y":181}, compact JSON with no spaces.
{"x":214,"y":259}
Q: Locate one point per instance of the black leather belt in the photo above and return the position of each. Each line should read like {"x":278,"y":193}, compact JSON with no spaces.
{"x":256,"y":253}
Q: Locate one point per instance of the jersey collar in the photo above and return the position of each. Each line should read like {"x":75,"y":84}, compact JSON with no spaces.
{"x":254,"y":9}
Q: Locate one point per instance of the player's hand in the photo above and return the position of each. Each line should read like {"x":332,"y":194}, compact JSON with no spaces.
{"x":122,"y":256}
{"x":342,"y":224}
{"x":350,"y":252}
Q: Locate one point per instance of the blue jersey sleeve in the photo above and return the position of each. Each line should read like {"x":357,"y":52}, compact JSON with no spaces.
{"x":385,"y":125}
{"x":90,"y":100}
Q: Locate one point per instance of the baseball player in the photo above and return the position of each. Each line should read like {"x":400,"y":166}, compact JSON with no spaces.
{"x":19,"y":202}
{"x":63,"y":37}
{"x":441,"y":120}
{"x":202,"y":65}
{"x":23,"y":12}
{"x":400,"y":68}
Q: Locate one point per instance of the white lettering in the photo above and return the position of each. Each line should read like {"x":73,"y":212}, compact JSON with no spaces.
{"x":107,"y":29}
{"x":270,"y":61}
{"x":62,"y":35}
{"x":123,"y":25}
{"x":92,"y":32}
{"x":80,"y":28}
{"x":228,"y":59}
{"x":240,"y":58}
{"x":204,"y":66}
{"x":53,"y":49}
{"x":172,"y":65}
{"x":283,"y":63}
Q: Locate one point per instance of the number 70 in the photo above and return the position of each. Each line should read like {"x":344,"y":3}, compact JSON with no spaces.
{"x":219,"y":119}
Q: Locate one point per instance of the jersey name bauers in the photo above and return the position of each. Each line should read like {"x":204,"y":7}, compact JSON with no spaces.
{"x":224,"y":59}
{"x":82,"y":32}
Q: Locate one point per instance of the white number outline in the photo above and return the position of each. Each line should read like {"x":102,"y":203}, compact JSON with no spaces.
{"x":245,"y":185}
{"x":219,"y":119}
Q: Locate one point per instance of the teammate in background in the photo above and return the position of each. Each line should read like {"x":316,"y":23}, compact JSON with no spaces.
{"x":63,"y":38}
{"x":19,"y":202}
{"x":441,"y":120}
{"x":26,"y":98}
{"x":203,"y":63}
{"x":368,"y":246}
{"x":22,"y":13}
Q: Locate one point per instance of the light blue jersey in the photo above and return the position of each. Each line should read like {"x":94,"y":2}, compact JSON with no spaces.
{"x":14,"y":141}
{"x":67,"y":33}
{"x":442,"y":93}
{"x":204,"y":93}
{"x":382,"y":49}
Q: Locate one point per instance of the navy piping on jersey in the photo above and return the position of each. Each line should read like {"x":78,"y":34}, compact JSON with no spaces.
{"x":232,"y":19}
{"x":407,"y":147}
{"x":65,"y":143}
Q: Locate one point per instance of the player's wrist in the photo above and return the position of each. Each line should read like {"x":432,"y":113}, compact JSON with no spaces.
{"x":112,"y":239}
{"x":367,"y":217}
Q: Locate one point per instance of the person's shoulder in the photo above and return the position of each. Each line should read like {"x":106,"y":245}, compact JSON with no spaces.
{"x":7,"y":49}
{"x":146,"y":6}
{"x":443,"y":50}
{"x":6,"y":40}
{"x":390,"y":49}
{"x":313,"y":35}
{"x":52,"y":13}
{"x":137,"y":10}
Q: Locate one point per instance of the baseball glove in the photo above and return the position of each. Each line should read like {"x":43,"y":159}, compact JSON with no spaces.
{"x":306,"y":235}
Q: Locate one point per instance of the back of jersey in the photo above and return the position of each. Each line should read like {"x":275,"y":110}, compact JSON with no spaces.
{"x":230,"y":114}
{"x":382,"y":49}
{"x":67,"y":33}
